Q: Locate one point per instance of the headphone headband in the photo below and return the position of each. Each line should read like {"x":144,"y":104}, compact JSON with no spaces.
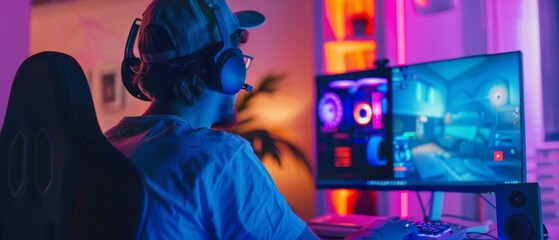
{"x":222,"y":27}
{"x":230,"y":71}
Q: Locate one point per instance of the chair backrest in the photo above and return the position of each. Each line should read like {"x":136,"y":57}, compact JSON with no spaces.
{"x":59,"y":177}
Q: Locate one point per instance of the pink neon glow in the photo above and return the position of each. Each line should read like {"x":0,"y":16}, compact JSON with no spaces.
{"x":330,"y":110}
{"x":404,"y":207}
{"x":401,"y":48}
{"x":377,"y":110}
{"x":401,"y":31}
{"x":344,"y":84}
{"x":371,"y":81}
{"x":422,"y":3}
{"x":341,"y":84}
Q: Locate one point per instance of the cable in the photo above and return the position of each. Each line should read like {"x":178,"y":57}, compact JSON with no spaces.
{"x":492,"y":230}
{"x":421,"y":204}
{"x":480,"y":234}
{"x":487,"y":201}
{"x":545,"y":233}
{"x":460,"y":217}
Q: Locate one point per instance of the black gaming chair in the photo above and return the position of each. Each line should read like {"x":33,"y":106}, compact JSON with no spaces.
{"x":59,"y":177}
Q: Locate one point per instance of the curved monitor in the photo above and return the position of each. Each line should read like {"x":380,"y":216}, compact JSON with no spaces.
{"x":451,"y":125}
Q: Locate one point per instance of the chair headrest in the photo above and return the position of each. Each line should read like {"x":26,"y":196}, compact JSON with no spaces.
{"x":51,"y":84}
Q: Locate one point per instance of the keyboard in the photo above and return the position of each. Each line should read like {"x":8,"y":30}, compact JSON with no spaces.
{"x":333,"y":226}
{"x":432,"y":229}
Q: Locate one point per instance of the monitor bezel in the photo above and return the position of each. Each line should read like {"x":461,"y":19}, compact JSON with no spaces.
{"x":387,"y":72}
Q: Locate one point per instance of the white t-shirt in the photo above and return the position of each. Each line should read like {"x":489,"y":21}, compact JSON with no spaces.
{"x":202,"y":183}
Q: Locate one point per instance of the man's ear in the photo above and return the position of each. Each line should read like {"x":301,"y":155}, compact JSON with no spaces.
{"x":243,"y":36}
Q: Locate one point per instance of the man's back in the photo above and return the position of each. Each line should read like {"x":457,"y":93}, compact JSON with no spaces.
{"x":203,"y":183}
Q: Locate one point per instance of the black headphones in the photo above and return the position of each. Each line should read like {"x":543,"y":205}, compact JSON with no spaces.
{"x":228,"y":77}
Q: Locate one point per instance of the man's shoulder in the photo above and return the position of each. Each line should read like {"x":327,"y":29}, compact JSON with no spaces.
{"x":173,"y":138}
{"x":215,"y":139}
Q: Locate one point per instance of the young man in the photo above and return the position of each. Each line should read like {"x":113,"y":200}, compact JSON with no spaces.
{"x":202,"y":183}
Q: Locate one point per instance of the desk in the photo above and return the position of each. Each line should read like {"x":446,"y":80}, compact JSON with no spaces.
{"x":552,"y":229}
{"x":338,"y":232}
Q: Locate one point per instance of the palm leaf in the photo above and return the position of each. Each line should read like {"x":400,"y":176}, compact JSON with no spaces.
{"x":264,"y":142}
{"x":270,"y":144}
{"x":244,"y":122}
{"x":268,"y":85}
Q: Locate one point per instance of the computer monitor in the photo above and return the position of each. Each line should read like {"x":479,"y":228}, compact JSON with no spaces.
{"x":451,"y":125}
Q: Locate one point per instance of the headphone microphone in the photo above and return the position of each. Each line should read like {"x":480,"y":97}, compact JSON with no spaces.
{"x":229,"y":74}
{"x":247,"y":87}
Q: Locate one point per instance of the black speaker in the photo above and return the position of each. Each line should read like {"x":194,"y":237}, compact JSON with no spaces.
{"x":519,"y":211}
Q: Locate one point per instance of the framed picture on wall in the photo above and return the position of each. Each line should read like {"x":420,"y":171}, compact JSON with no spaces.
{"x":110,"y":91}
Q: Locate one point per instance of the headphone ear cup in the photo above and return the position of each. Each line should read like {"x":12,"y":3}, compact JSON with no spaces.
{"x":231,"y":71}
{"x":128,"y":78}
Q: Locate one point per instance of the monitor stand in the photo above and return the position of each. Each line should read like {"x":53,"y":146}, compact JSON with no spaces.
{"x":436,"y":211}
{"x":436,"y":214}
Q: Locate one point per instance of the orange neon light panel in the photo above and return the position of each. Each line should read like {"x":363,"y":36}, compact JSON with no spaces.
{"x":343,"y":200}
{"x":350,"y":17}
{"x":342,"y":56}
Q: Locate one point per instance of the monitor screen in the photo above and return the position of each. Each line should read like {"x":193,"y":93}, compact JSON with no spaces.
{"x":454,"y":125}
{"x":352,"y":115}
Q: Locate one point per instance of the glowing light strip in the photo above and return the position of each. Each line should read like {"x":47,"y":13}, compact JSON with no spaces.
{"x":341,"y":200}
{"x":341,"y":84}
{"x":377,"y":110}
{"x":356,"y":84}
{"x":404,"y":207}
{"x":401,"y":48}
{"x":400,"y":32}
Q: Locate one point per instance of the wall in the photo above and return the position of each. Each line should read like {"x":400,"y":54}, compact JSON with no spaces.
{"x":515,"y":26}
{"x":284,"y":45}
{"x":549,"y":23}
{"x":94,"y":32}
{"x":548,"y":153}
{"x":14,"y":44}
{"x":472,"y":27}
{"x":410,"y":38}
